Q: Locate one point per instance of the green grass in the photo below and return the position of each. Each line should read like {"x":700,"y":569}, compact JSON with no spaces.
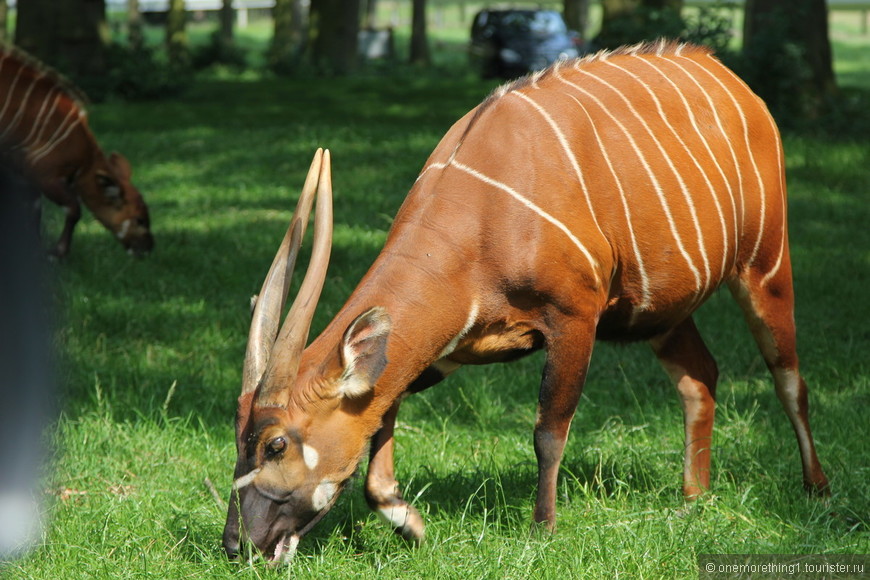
{"x":151,"y":356}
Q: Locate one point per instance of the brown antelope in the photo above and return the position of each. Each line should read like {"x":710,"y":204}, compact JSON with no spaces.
{"x":605,"y":197}
{"x":44,"y":132}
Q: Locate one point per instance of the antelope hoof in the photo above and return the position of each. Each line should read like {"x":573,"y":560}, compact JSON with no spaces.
{"x":542,"y":529}
{"x":404,"y":519}
{"x":819,"y":488}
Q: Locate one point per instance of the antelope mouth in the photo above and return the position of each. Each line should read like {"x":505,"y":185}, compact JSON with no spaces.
{"x":287,"y":544}
{"x":285,"y":549}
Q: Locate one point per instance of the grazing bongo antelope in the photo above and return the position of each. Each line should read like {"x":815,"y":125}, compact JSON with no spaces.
{"x":44,"y":133}
{"x":605,"y":197}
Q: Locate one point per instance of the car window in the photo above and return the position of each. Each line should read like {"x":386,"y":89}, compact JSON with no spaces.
{"x":547,"y":23}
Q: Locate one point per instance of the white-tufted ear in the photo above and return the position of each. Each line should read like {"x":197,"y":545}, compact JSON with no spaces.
{"x":364,"y":352}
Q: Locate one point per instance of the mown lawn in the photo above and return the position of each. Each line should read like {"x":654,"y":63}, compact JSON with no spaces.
{"x":151,"y":354}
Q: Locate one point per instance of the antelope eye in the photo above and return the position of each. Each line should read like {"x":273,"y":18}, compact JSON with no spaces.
{"x":276,"y":446}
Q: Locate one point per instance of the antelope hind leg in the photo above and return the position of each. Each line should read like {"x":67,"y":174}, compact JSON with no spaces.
{"x":768,"y":306}
{"x":685,"y":358}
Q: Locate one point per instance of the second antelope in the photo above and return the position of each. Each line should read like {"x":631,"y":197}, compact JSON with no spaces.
{"x":604,"y":198}
{"x":44,"y":133}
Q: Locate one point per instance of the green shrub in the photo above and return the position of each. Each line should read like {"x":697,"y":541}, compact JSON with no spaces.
{"x":710,"y":27}
{"x":219,"y":52}
{"x":137,"y":74}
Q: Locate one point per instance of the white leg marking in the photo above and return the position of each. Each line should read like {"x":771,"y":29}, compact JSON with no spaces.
{"x":394,"y":515}
{"x":246,"y":480}
{"x":310,"y":456}
{"x":529,"y":204}
{"x":788,"y":386}
{"x":323,"y":494}
{"x":472,"y":318}
{"x":655,"y":183}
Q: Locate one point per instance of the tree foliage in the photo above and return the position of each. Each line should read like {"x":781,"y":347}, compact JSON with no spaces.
{"x":787,"y":56}
{"x":71,"y":35}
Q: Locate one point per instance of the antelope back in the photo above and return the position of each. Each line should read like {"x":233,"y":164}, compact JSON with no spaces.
{"x":44,"y":130}
{"x":652,"y":172}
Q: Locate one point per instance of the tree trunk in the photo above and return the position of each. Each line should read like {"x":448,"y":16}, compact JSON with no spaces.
{"x":613,"y":14}
{"x":4,"y":17}
{"x":614,"y":8}
{"x":300,"y":25}
{"x":370,"y":13}
{"x":662,"y":4}
{"x":227,"y":18}
{"x":787,"y":45}
{"x":176,"y":34}
{"x":281,"y":49}
{"x":335,"y":29}
{"x":577,"y":15}
{"x":419,"y":42}
{"x":134,"y":25}
{"x":71,"y":35}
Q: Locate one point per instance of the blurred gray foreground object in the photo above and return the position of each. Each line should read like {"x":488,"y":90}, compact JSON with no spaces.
{"x":27,"y":395}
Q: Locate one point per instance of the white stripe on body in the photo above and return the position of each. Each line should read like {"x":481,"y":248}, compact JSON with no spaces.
{"x":46,"y":124}
{"x":566,"y":148}
{"x":703,"y":139}
{"x":646,"y":299}
{"x":523,"y":200}
{"x":472,"y":318}
{"x":535,"y":208}
{"x":656,"y":185}
{"x":41,"y":117}
{"x":35,"y":156}
{"x":748,"y":152}
{"x":22,"y":107}
{"x":686,"y":195}
{"x":10,"y":93}
{"x":779,"y":156}
{"x":691,"y":155}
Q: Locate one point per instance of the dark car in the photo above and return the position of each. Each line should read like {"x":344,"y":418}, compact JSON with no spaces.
{"x":510,"y":43}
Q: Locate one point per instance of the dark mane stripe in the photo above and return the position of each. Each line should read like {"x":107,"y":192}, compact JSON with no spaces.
{"x":661,"y":47}
{"x":26,"y":60}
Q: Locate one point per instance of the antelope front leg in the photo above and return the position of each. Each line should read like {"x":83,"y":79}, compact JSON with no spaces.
{"x":381,"y":488}
{"x":58,"y":192}
{"x":561,"y":385}
{"x":690,"y":365}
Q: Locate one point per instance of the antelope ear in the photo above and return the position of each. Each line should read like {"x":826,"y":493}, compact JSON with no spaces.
{"x":364,"y":352}
{"x":121,"y":166}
